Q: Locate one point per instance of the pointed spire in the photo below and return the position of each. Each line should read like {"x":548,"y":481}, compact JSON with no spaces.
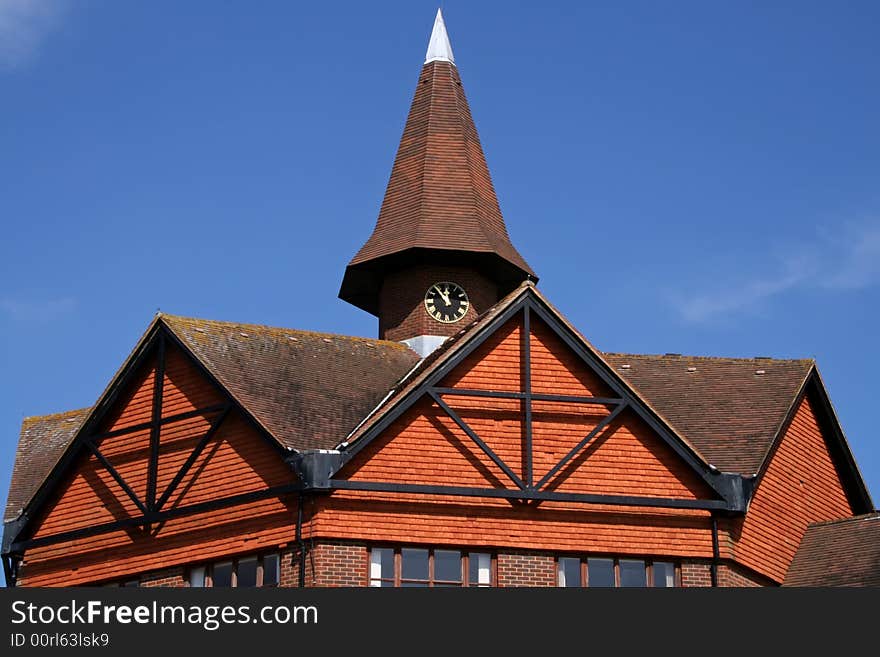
{"x":440,"y":197}
{"x":439,"y":48}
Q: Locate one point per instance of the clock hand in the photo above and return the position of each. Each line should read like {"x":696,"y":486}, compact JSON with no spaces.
{"x":443,"y":295}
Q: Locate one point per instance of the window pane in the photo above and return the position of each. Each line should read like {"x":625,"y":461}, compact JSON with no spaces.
{"x":600,"y":572}
{"x":447,"y":565}
{"x":247,"y":572}
{"x":478,"y":569}
{"x":381,"y":565}
{"x":222,"y":575}
{"x":413,"y":584}
{"x":270,"y":570}
{"x":664,"y":574}
{"x":632,"y":573}
{"x":197,"y":577}
{"x":568,"y":572}
{"x":414,"y":564}
{"x":131,"y":582}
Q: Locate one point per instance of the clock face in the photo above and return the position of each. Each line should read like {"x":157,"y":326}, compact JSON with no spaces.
{"x":446,"y":302}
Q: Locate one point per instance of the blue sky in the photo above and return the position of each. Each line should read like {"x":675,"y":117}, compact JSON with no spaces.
{"x":692,"y":177}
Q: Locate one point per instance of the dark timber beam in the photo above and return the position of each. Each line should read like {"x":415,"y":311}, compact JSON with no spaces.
{"x":155,"y":517}
{"x":191,"y":459}
{"x":207,"y":410}
{"x":156,"y":426}
{"x":526,"y":355}
{"x":116,"y":476}
{"x":503,"y":394}
{"x":577,"y":448}
{"x":473,"y":436}
{"x":530,"y":495}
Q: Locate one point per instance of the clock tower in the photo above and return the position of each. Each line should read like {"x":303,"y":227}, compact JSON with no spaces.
{"x":440,"y":254}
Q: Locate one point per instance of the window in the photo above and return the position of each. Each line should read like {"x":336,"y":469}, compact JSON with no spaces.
{"x":614,"y":572}
{"x":421,"y":567}
{"x":243,"y":572}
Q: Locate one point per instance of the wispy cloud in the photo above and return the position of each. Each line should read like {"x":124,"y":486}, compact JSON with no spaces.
{"x":24,"y":25}
{"x":37,"y":311}
{"x":848,"y":259}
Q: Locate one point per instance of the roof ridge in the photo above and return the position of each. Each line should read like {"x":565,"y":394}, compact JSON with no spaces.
{"x":873,"y":515}
{"x":742,"y":359}
{"x":460,"y":123}
{"x":423,"y":169}
{"x":283,"y":329}
{"x":31,"y":419}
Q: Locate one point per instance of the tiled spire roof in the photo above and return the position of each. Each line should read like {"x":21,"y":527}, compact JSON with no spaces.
{"x":440,"y":194}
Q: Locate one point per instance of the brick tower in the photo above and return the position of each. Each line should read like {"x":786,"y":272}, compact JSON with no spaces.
{"x":440,"y":254}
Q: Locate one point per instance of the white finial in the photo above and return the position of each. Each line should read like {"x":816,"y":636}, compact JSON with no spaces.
{"x":439,"y":48}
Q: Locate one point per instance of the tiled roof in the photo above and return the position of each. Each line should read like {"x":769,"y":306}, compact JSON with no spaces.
{"x":312,"y":390}
{"x":838,"y":553}
{"x":440,"y":194}
{"x":730,"y":409}
{"x":40,"y":445}
{"x":309,"y":390}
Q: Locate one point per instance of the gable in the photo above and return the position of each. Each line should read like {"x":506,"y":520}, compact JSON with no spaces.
{"x":169,"y":438}
{"x":528,"y":415}
{"x":800,"y":486}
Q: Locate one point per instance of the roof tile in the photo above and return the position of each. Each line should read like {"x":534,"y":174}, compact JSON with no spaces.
{"x":723,"y":406}
{"x":838,"y":553}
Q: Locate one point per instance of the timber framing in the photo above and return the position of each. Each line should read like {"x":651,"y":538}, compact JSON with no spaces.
{"x":729,"y":489}
{"x":323,"y":471}
{"x":150,"y":351}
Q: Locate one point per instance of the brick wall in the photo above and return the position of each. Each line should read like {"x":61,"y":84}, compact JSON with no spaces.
{"x":525,"y":569}
{"x":337,"y":564}
{"x":170,"y":577}
{"x":732,"y":574}
{"x":288,"y":576}
{"x":402,"y":312}
{"x":696,"y":574}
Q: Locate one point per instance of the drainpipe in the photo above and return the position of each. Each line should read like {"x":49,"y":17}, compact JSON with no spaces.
{"x":716,"y":555}
{"x":300,"y":542}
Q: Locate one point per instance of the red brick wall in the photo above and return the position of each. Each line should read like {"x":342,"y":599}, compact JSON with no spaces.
{"x":337,"y":564}
{"x":288,"y":576}
{"x":402,"y":313}
{"x":519,"y":569}
{"x":732,"y":574}
{"x":696,"y":574}
{"x":170,"y":577}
